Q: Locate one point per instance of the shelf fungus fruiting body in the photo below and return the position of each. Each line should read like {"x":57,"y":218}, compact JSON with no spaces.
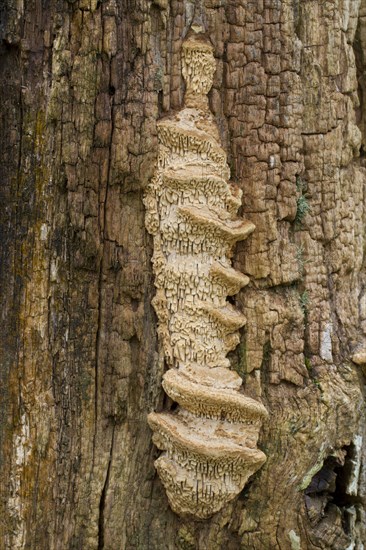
{"x":209,"y":440}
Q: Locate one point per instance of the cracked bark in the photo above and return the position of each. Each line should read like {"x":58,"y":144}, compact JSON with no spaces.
{"x":83,"y":85}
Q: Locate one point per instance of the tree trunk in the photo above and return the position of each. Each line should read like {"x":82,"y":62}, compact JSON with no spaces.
{"x":83,"y":85}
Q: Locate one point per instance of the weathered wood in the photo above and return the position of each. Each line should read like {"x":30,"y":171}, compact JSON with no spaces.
{"x":83,"y":84}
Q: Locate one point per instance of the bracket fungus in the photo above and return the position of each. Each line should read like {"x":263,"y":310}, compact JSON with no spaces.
{"x":209,"y":440}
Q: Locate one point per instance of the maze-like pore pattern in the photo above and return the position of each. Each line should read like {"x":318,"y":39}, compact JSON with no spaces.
{"x":209,"y":441}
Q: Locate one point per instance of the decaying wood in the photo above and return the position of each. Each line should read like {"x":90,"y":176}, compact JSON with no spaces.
{"x":84,"y":84}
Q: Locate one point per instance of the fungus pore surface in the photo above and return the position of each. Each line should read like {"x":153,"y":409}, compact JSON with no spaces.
{"x":209,"y":440}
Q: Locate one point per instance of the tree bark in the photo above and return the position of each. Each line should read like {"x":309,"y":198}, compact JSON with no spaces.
{"x":83,"y":84}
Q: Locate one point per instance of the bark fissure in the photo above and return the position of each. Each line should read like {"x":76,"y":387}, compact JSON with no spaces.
{"x":103,"y":496}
